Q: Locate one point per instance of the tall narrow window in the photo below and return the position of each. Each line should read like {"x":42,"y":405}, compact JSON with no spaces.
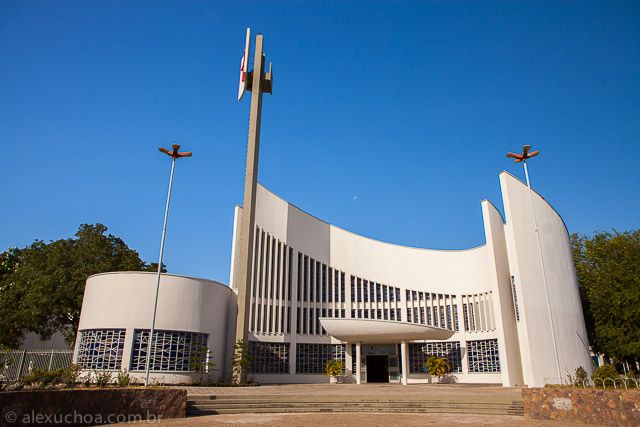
{"x":300,"y":268}
{"x":456,"y":327}
{"x":305,"y":279}
{"x":353,"y":289}
{"x":318,"y":295}
{"x":465,"y":312}
{"x":366,"y":292}
{"x":330,"y":285}
{"x":472,"y":319}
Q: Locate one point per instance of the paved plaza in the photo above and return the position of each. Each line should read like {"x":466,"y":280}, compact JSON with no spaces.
{"x":361,"y":420}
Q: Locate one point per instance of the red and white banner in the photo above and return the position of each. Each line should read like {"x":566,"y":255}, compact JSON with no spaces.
{"x":244,"y":67}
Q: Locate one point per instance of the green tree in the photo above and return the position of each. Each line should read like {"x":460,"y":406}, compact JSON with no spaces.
{"x":241,"y":361}
{"x":608,"y":271}
{"x":201,"y":362}
{"x":42,"y":285}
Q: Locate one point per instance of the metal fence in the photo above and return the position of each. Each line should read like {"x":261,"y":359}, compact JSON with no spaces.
{"x":620,"y":382}
{"x":18,"y":363}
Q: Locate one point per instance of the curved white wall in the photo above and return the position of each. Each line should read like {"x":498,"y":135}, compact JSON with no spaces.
{"x":125,"y":300}
{"x":456,"y":274}
{"x":534,"y":329}
{"x":452,"y":271}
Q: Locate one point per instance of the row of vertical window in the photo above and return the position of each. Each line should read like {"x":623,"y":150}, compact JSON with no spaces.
{"x":271,"y":285}
{"x":320,"y":292}
{"x":317,"y":282}
{"x":477,"y":311}
{"x":363,"y":290}
{"x":439,"y":310}
{"x":378,"y":313}
{"x":372,"y":300}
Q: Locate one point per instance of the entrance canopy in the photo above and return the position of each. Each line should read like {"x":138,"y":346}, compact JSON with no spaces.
{"x":372,"y":331}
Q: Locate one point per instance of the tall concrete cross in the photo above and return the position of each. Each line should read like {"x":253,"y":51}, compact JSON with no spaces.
{"x":258,"y":82}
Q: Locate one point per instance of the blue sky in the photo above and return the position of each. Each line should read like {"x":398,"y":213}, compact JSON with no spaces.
{"x":390,"y":119}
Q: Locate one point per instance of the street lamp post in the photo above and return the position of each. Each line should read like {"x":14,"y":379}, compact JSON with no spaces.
{"x":175,"y":154}
{"x":522,"y":158}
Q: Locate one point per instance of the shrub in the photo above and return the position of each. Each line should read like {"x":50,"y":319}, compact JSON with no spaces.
{"x":603,"y":372}
{"x":333,"y":368}
{"x":87,"y":379}
{"x":71,"y":375}
{"x":102,"y":378}
{"x":437,"y":366}
{"x":581,"y":376}
{"x":123,"y":379}
{"x":42,"y":378}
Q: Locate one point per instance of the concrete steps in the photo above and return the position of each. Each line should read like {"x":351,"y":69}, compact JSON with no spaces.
{"x":210,"y":405}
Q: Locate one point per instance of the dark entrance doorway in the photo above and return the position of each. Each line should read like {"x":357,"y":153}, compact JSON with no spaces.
{"x":377,"y":369}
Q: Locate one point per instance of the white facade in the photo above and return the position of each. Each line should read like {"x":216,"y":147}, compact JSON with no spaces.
{"x":309,"y":288}
{"x":320,"y":292}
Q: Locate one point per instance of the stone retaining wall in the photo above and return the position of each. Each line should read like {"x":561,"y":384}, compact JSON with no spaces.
{"x":91,"y":406}
{"x":590,"y":406}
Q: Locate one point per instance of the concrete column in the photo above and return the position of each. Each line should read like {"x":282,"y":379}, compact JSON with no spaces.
{"x":292,"y":357}
{"x":348,"y":357}
{"x":358,"y":363}
{"x":244,"y":268}
{"x":403,"y":361}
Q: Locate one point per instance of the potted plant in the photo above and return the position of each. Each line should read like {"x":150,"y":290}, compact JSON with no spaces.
{"x":334,"y":369}
{"x":437,"y":366}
